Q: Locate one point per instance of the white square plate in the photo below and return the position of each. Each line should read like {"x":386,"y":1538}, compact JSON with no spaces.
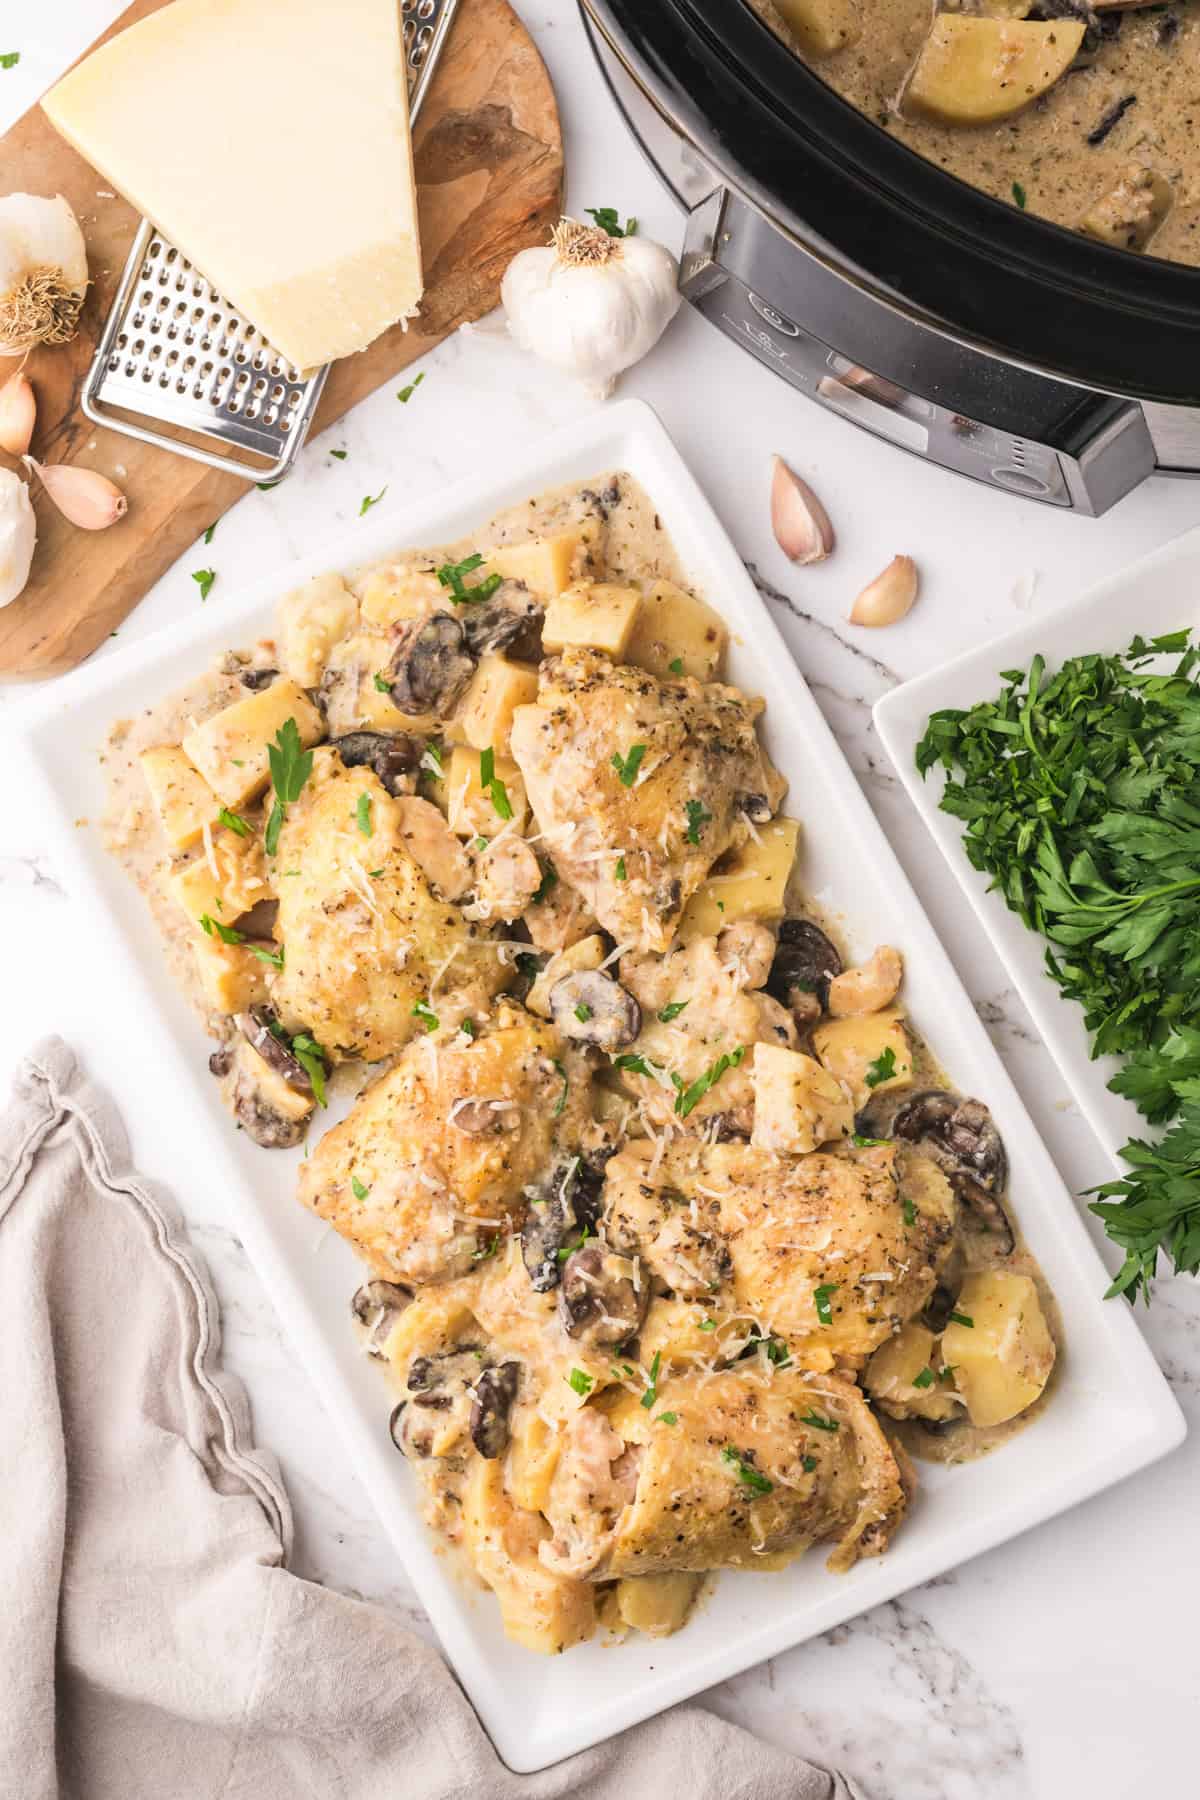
{"x":1160,"y":593}
{"x":1112,"y":1412}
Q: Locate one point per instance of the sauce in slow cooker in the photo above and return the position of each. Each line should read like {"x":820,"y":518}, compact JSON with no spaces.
{"x":1105,"y":149}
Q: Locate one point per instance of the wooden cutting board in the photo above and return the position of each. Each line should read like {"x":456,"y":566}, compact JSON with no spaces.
{"x":489,"y":167}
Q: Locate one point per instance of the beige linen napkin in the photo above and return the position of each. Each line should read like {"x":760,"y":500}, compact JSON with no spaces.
{"x":153,"y":1645}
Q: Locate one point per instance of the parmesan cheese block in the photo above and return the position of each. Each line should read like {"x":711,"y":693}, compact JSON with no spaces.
{"x":269,"y":140}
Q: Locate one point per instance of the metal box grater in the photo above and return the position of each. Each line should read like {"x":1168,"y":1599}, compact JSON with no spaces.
{"x":176,"y":354}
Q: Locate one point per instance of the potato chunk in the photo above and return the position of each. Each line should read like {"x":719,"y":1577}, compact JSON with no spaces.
{"x":870,"y":1052}
{"x":183,"y":800}
{"x":591,"y":615}
{"x":230,"y":749}
{"x":224,"y":886}
{"x":1003,"y":1358}
{"x":532,"y":1459}
{"x":797,"y":1104}
{"x":546,"y":565}
{"x":472,"y":807}
{"x":232,"y":979}
{"x":748,"y":883}
{"x":1130,"y":212}
{"x":657,"y":1604}
{"x":675,"y":634}
{"x":904,"y":1377}
{"x":822,"y":26}
{"x":540,"y":1610}
{"x":972,"y":71}
{"x":311,"y":620}
{"x":484,"y":715}
{"x":390,"y":598}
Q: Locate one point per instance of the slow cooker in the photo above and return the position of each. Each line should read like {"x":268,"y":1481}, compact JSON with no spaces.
{"x":888,"y":291}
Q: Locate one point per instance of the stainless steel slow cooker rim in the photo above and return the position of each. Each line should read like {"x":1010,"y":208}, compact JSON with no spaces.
{"x":730,"y":172}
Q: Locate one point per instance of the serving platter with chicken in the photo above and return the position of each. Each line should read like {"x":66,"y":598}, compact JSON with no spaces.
{"x":678,"y":1242}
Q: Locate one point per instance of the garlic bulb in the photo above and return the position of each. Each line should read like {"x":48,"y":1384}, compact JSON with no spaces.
{"x":43,"y":272}
{"x":591,"y":304}
{"x":84,"y":496}
{"x":18,"y":535}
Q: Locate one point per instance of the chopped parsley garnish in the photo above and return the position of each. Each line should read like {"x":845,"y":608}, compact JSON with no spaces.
{"x":211,"y":532}
{"x":547,"y":885}
{"x":667,"y":1418}
{"x":819,"y":1420}
{"x":676,"y":665}
{"x":226,"y":933}
{"x":624,"y":1372}
{"x":357,"y":1189}
{"x":433,"y":751}
{"x":778,"y":1354}
{"x":909,"y":1211}
{"x":483,"y":1252}
{"x":467,"y":1027}
{"x":963,"y":1319}
{"x":583,"y":1012}
{"x":362,"y":814}
{"x":946,"y":1372}
{"x":566,"y":1250}
{"x":204,"y":579}
{"x":382,"y":685}
{"x":492,"y":785}
{"x":882,"y":1069}
{"x":480,"y":843}
{"x":708,"y":1325}
{"x":672,"y":1011}
{"x":609,"y":220}
{"x":273,"y":958}
{"x":628,"y":765}
{"x":619,"y":869}
{"x":311,"y":1057}
{"x":687,"y":1098}
{"x":291,"y":766}
{"x":697,"y":818}
{"x":10,"y":59}
{"x":808,"y":1464}
{"x":633,"y":1063}
{"x":423,"y":1011}
{"x":651,"y":1393}
{"x":581,"y":1383}
{"x":865,"y":1143}
{"x":747,"y":1474}
{"x":821,"y":1298}
{"x":374,"y":874}
{"x":1018,"y":194}
{"x":451,"y":576}
{"x":924,"y":1379}
{"x":233,"y":822}
{"x":370,"y":500}
{"x":566,"y":1088}
{"x":340,"y":454}
{"x":406,"y":393}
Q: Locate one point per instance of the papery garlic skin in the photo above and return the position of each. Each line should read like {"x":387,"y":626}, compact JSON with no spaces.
{"x":43,"y":272}
{"x":18,"y":535}
{"x":590,"y":304}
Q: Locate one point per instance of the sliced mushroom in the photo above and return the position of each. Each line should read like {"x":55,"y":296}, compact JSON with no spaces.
{"x":756,"y":807}
{"x":430,"y":666}
{"x":591,"y":1008}
{"x":439,"y":1401}
{"x":509,"y":875}
{"x":485,"y":1118}
{"x":869,"y":987}
{"x":377,"y":1305}
{"x":495,"y":1391}
{"x":511,"y":621}
{"x":805,"y":964}
{"x":598,"y":1302}
{"x":563,"y":1206}
{"x":267,"y":1106}
{"x":434,"y":847}
{"x":258,"y":1028}
{"x":960,"y":1136}
{"x":393,"y":755}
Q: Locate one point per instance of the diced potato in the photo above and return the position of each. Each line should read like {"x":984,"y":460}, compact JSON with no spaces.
{"x":533,"y":1453}
{"x":822,"y":27}
{"x":749,"y":883}
{"x":484,"y":714}
{"x":1131,"y":211}
{"x":1003,"y":1358}
{"x":540,"y":1610}
{"x":224,"y":894}
{"x":973,"y":71}
{"x":362,"y":705}
{"x":676,"y":634}
{"x":924,"y":1185}
{"x":547,"y":565}
{"x":591,"y":615}
{"x":232,"y":979}
{"x":892,"y":1373}
{"x":272,"y":1088}
{"x":434,"y":1322}
{"x":657,"y":1604}
{"x":588,"y":953}
{"x":797,"y":1103}
{"x":856,"y":1050}
{"x":390,"y":598}
{"x":311,"y":620}
{"x":680,"y":1332}
{"x":230,"y":749}
{"x":183,"y":800}
{"x":472,"y":812}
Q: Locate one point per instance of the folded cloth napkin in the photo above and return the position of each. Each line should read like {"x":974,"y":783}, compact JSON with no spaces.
{"x":153,"y":1645}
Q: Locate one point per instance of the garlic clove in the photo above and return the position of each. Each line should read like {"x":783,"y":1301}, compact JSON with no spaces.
{"x":18,"y":414}
{"x":890,"y":596}
{"x":801,"y":525}
{"x":18,"y":536}
{"x":84,"y":496}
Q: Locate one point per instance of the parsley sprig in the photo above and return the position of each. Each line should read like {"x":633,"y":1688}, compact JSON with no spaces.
{"x":451,"y":576}
{"x":291,"y":766}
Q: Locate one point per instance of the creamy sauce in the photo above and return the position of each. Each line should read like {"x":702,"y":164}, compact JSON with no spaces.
{"x":1043,"y":154}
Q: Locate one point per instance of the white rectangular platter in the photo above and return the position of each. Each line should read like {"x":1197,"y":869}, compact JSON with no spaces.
{"x":1112,"y":1412}
{"x":1161,"y":593}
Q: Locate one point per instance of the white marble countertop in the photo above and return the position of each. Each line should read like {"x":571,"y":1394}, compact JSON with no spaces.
{"x":1062,"y":1664}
